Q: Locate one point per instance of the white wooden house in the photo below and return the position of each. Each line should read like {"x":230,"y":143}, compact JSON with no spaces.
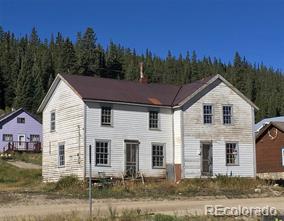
{"x":196,"y":130}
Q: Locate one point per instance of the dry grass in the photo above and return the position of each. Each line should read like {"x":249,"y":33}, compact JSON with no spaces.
{"x":126,"y":216}
{"x":13,"y":179}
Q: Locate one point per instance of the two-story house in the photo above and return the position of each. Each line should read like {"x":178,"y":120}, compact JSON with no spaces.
{"x":195,"y":130}
{"x":20,"y":131}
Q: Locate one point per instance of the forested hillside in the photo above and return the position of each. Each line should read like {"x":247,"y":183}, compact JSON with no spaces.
{"x":28,"y":66}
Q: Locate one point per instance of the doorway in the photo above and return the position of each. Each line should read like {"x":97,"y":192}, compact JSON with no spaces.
{"x":206,"y":159}
{"x":131,"y":162}
{"x":21,"y":141}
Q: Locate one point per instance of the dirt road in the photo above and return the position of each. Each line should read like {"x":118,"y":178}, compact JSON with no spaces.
{"x":43,"y":206}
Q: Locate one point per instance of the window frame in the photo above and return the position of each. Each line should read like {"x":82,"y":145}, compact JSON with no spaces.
{"x":164,"y":155}
{"x":52,"y":121}
{"x":4,"y":140}
{"x":108,"y":153}
{"x":158,"y":120}
{"x":212,"y":114}
{"x":35,"y":135}
{"x":64,"y":155}
{"x":238,"y":154}
{"x":21,"y":120}
{"x":231,"y":106}
{"x":111,"y":116}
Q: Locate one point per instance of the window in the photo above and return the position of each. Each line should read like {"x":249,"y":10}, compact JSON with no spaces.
{"x":232,"y":154}
{"x":158,"y":156}
{"x":61,"y":155}
{"x":207,"y":114}
{"x":154,"y":120}
{"x":106,"y":116}
{"x":34,"y":138}
{"x":7,"y":137}
{"x":102,"y":152}
{"x":20,"y":120}
{"x":227,"y":114}
{"x":52,"y":121}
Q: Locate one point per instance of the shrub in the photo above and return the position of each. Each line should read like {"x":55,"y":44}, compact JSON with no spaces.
{"x":68,"y":183}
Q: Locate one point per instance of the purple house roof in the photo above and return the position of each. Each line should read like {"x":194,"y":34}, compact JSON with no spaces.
{"x":19,"y":128}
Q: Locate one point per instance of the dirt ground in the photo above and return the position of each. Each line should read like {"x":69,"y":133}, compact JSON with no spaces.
{"x":40,"y":205}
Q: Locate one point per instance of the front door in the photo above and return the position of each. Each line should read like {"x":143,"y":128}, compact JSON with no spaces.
{"x":21,"y":141}
{"x":131,"y":158}
{"x":206,"y":159}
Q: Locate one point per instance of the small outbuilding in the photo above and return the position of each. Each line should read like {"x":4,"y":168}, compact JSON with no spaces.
{"x":270,"y":151}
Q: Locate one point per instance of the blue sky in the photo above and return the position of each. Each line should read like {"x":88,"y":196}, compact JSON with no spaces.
{"x":214,"y":27}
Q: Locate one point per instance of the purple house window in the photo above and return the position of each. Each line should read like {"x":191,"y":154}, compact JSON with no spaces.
{"x":20,"y":120}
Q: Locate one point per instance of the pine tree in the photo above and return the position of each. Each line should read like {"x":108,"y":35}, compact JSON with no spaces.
{"x":87,"y":55}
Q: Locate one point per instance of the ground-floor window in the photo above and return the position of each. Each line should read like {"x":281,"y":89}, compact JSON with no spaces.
{"x":158,"y":155}
{"x":102,"y":152}
{"x":61,"y":154}
{"x":7,"y":137}
{"x":34,"y":138}
{"x":232,"y":154}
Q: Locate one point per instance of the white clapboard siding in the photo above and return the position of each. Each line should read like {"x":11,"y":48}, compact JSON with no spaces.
{"x":129,"y":123}
{"x":240,"y":131}
{"x":69,"y":109}
{"x":178,"y":136}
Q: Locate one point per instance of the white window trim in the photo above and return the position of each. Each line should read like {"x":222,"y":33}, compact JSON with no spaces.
{"x":61,"y":144}
{"x":109,"y":153}
{"x":3,"y":135}
{"x":159,"y":120}
{"x":164,"y":155}
{"x":232,"y":114}
{"x":111,"y":115}
{"x":51,"y":112}
{"x":238,"y":156}
{"x":212,"y":115}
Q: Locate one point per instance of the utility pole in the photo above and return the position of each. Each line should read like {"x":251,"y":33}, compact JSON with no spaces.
{"x":90,"y":180}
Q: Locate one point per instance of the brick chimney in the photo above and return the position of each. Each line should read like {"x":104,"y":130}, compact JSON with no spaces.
{"x":143,"y":79}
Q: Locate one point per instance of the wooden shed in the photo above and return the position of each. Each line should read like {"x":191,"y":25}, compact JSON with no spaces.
{"x":270,"y":151}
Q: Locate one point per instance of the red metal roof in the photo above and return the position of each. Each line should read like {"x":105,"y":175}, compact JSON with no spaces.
{"x":106,"y":89}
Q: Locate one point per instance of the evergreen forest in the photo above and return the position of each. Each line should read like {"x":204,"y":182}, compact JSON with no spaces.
{"x":28,"y":66}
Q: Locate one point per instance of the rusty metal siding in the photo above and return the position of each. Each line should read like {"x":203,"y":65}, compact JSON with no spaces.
{"x":240,"y":131}
{"x":268,"y":152}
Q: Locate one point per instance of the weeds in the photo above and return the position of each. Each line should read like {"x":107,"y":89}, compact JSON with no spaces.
{"x":126,"y":216}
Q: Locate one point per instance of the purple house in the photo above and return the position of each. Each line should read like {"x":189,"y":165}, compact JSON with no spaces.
{"x":21,"y":131}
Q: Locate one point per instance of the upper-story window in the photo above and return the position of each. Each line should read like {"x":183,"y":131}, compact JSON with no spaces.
{"x":52,"y":121}
{"x":154,"y":119}
{"x":106,"y":117}
{"x":227,"y":114}
{"x":20,"y":120}
{"x":207,"y":114}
